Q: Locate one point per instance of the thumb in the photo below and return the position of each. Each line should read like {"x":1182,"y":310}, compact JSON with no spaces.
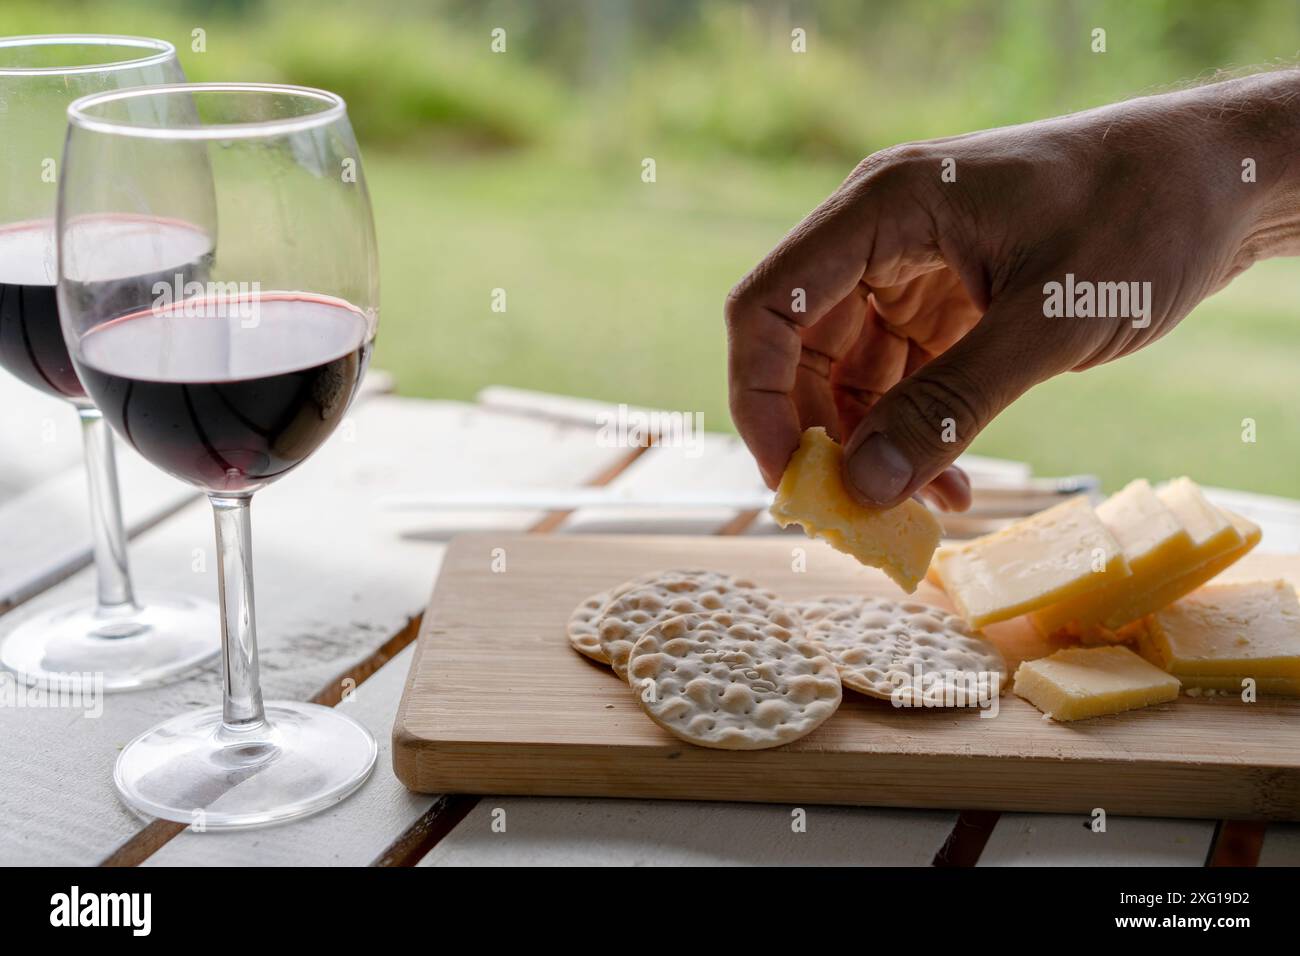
{"x":923,"y":423}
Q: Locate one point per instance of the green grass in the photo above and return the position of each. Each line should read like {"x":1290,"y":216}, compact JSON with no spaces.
{"x":615,"y":287}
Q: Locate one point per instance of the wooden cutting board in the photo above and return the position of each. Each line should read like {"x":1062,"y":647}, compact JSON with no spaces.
{"x":498,"y":703}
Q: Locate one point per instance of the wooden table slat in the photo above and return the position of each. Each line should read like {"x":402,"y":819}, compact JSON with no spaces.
{"x":1046,"y":839}
{"x":350,"y":834}
{"x":593,"y":413}
{"x":570,"y":832}
{"x":723,"y":464}
{"x":39,"y":437}
{"x":47,"y":530}
{"x":1281,"y":845}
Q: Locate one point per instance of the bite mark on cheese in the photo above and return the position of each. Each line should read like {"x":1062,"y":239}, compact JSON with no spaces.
{"x":1082,"y":682}
{"x":900,"y":541}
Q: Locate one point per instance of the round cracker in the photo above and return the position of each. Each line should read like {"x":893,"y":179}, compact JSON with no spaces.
{"x":814,"y":609}
{"x":582,"y":627}
{"x":733,"y":681}
{"x":878,"y":645}
{"x":630,"y":614}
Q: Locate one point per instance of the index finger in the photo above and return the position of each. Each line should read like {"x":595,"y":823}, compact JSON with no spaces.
{"x":814,"y":268}
{"x":762,"y":362}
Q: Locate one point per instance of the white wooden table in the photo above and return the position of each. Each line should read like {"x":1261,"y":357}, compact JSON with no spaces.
{"x":341,"y":583}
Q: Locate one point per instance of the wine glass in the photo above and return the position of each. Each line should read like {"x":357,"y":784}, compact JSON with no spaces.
{"x":128,"y":640}
{"x":227,"y":375}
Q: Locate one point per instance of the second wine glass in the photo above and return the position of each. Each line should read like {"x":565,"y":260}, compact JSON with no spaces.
{"x":227,"y":375}
{"x":123,"y":639}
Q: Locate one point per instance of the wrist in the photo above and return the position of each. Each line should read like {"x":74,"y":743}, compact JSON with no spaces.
{"x":1259,"y":117}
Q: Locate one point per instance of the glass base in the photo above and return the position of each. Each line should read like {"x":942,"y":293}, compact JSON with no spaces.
{"x":162,"y":638}
{"x":190,"y":769}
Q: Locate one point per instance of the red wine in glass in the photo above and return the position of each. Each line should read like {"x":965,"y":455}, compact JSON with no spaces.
{"x":228,"y":393}
{"x":31,"y":342}
{"x":32,"y":346}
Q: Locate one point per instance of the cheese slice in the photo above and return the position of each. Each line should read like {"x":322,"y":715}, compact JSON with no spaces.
{"x":1211,"y":531}
{"x":1185,"y":583}
{"x":1055,"y":555}
{"x":1153,"y":541}
{"x":900,"y":541}
{"x":1081,"y":682}
{"x":1219,"y":538}
{"x":1221,"y":634}
{"x":1162,"y":573}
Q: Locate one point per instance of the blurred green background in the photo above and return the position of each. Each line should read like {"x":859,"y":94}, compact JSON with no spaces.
{"x":522,"y":171}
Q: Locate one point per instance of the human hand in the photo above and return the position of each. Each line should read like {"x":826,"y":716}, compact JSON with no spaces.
{"x":926,"y":298}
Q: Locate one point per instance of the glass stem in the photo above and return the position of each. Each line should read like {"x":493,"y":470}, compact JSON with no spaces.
{"x":242,"y":693}
{"x":108,"y":535}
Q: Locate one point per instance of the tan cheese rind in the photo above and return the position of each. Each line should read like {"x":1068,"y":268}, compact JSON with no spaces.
{"x":1216,"y":637}
{"x":1055,"y":555}
{"x":900,"y":541}
{"x":1082,"y":682}
{"x":1154,"y":545}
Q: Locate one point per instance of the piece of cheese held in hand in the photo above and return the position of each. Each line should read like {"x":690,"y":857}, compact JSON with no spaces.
{"x":1216,"y":637}
{"x":899,"y":541}
{"x":1055,"y":555}
{"x":1081,"y":682}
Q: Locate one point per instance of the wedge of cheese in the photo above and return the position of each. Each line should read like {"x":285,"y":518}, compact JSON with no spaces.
{"x":900,"y":541}
{"x":1055,"y":555}
{"x":1219,"y":539}
{"x":1216,"y":637}
{"x":1153,"y":541}
{"x":1207,"y":525}
{"x":1170,"y":591}
{"x":1081,"y":682}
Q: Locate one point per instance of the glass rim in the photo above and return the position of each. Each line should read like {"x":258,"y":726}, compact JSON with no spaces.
{"x":162,"y":51}
{"x":334,"y":108}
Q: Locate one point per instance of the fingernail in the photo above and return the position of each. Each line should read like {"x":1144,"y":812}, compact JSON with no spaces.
{"x":879,"y":470}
